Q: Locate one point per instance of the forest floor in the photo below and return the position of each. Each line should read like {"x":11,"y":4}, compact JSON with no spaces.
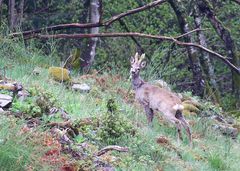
{"x":36,"y":147}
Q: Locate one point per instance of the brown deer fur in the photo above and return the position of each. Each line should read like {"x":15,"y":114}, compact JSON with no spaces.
{"x":154,"y":98}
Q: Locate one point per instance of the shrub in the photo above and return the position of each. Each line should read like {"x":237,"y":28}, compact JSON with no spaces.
{"x":114,"y":125}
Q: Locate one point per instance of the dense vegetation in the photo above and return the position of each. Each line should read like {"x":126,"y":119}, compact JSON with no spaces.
{"x":108,"y":115}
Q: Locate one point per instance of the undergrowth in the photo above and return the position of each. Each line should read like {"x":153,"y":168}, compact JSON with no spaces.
{"x":211,"y":150}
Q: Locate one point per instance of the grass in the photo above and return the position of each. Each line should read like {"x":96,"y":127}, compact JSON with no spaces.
{"x":211,"y":150}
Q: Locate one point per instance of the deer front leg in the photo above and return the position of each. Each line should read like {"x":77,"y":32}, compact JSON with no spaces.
{"x":149,"y":114}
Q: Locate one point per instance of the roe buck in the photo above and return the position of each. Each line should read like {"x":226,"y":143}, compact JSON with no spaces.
{"x":154,"y":98}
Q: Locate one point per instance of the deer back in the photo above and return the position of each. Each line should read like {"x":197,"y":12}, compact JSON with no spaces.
{"x":158,"y":98}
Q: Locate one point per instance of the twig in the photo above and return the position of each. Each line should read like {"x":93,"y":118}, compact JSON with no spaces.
{"x":190,"y":32}
{"x":110,"y":148}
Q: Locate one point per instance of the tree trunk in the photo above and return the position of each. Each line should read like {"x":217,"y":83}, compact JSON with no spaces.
{"x":20,"y":15}
{"x":211,"y":87}
{"x":206,"y":8}
{"x":90,"y":51}
{"x":192,"y":52}
{"x":11,"y":14}
{"x":1,"y":2}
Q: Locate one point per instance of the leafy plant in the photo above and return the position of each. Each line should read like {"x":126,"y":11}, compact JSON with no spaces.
{"x":39,"y":102}
{"x":114,"y":125}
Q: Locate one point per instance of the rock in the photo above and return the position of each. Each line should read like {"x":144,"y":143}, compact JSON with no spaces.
{"x":83,"y":88}
{"x":7,"y":86}
{"x":59,"y":74}
{"x":227,"y":130}
{"x":22,"y":95}
{"x":36,"y":71}
{"x":11,"y":86}
{"x":218,"y":118}
{"x":5,"y":100}
{"x":230,"y":120}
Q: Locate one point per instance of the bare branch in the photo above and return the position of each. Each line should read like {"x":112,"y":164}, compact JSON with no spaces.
{"x":123,"y":24}
{"x":236,"y":1}
{"x":112,"y":147}
{"x":133,"y":11}
{"x":190,"y":32}
{"x":149,"y":36}
{"x":89,"y":25}
{"x":55,"y":28}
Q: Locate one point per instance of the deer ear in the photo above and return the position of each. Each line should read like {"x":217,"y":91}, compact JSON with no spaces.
{"x":143,"y":64}
{"x":132,"y":60}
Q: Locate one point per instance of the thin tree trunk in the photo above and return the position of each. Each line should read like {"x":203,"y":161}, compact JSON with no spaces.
{"x":1,"y":2}
{"x":208,"y":69}
{"x":90,"y":52}
{"x":192,"y":52}
{"x":206,"y":8}
{"x":21,"y":8}
{"x":11,"y":14}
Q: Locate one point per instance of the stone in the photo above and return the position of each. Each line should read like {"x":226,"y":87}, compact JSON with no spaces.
{"x":5,"y":100}
{"x":7,"y":86}
{"x":227,"y":130}
{"x":36,"y":71}
{"x":22,"y":95}
{"x":83,"y":88}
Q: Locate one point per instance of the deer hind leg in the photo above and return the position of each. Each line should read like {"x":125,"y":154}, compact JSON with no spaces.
{"x":178,"y":125}
{"x":149,"y":114}
{"x":185,"y":124}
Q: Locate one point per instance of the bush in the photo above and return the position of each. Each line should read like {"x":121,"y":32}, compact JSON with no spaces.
{"x":114,"y":125}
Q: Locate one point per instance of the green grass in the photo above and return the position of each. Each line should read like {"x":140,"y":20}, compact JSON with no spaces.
{"x":211,"y":151}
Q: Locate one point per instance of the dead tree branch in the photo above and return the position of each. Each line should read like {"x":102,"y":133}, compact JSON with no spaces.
{"x":123,"y":24}
{"x":30,"y":33}
{"x":142,"y":35}
{"x":112,"y":147}
{"x":190,"y":32}
{"x":107,"y":23}
{"x":133,"y":11}
{"x":236,"y":1}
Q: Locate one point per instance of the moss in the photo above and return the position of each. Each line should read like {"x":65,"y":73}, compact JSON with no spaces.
{"x":190,"y":107}
{"x":7,"y":87}
{"x":59,"y":74}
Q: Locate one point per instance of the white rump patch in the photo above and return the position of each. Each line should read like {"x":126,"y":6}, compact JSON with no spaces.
{"x":178,"y":107}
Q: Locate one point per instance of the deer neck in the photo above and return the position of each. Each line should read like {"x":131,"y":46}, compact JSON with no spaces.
{"x":137,"y":82}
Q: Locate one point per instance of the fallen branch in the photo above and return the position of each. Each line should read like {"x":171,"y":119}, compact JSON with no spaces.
{"x":149,"y":36}
{"x":110,"y":148}
{"x":60,"y":124}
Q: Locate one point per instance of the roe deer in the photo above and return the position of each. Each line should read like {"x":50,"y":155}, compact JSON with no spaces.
{"x":154,"y":98}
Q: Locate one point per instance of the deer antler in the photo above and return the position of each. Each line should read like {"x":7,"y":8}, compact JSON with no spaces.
{"x":136,"y":57}
{"x":141,"y":58}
